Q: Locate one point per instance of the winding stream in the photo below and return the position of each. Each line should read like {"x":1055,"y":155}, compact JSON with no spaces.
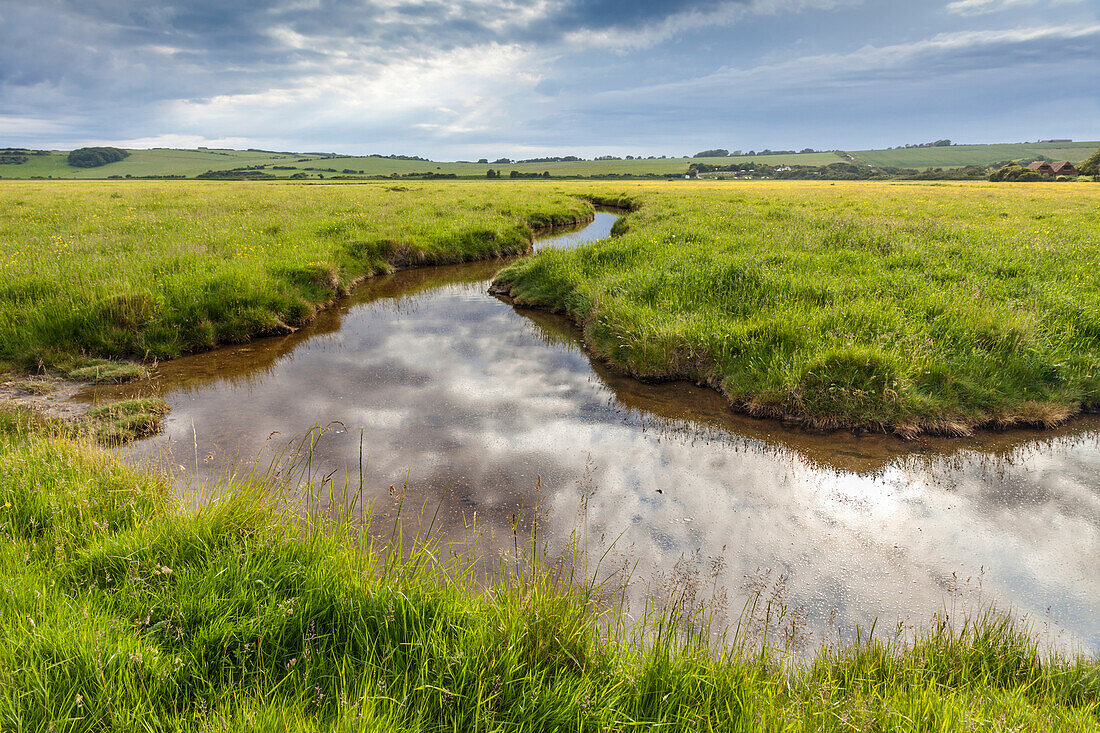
{"x":479,"y":403}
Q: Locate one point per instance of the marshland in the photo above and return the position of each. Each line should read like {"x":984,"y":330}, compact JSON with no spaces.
{"x":477,"y":456}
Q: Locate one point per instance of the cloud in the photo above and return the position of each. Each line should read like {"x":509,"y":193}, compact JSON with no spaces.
{"x":984,"y":7}
{"x":448,"y":92}
{"x":920,"y":62}
{"x":624,"y":35}
{"x":444,"y":77}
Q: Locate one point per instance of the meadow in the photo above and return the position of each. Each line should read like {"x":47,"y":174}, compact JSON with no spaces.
{"x":123,"y":611}
{"x":897,"y":307}
{"x":891,"y":306}
{"x":152,"y":270}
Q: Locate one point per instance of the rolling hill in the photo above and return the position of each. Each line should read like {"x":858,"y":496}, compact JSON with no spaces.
{"x":165,"y":162}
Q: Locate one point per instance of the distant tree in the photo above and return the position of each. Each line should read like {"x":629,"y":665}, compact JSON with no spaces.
{"x":1091,"y":165}
{"x":483,"y":161}
{"x":491,"y":174}
{"x":503,"y":160}
{"x":716,"y":153}
{"x":1014,"y":173}
{"x":546,"y":174}
{"x":95,"y":157}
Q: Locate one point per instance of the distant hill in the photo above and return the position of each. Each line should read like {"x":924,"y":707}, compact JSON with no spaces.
{"x":216,"y":163}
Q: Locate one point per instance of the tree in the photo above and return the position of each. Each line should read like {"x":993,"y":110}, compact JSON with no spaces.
{"x":491,"y":174}
{"x":1091,"y":165}
{"x":1014,"y":173}
{"x":95,"y":157}
{"x":716,"y":153}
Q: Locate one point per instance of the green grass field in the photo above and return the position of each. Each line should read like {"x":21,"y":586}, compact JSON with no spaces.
{"x":898,"y":307}
{"x":156,"y":269}
{"x":902,"y":307}
{"x":154,"y":162}
{"x":120,"y":611}
{"x":962,"y":155}
{"x":190,"y":163}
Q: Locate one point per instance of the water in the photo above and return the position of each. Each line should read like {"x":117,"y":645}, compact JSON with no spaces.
{"x":479,"y":403}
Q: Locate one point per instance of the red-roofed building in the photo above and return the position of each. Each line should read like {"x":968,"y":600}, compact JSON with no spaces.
{"x":1065,"y":168}
{"x":1042,"y":167}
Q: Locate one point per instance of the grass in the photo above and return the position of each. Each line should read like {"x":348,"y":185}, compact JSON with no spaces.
{"x":152,"y":270}
{"x":190,"y":163}
{"x":911,"y":308}
{"x":102,"y":371}
{"x":961,"y":155}
{"x":154,"y":162}
{"x":124,"y":421}
{"x":121,"y":611}
{"x":903,"y":307}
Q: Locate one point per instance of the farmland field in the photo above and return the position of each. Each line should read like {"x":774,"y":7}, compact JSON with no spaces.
{"x":960,"y":155}
{"x":191,"y":163}
{"x":154,"y":162}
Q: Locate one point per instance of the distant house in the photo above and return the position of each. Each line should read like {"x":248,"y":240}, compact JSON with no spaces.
{"x":1042,"y":167}
{"x":1065,"y":168}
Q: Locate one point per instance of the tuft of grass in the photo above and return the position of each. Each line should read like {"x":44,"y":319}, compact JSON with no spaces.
{"x":120,"y":610}
{"x":37,"y":387}
{"x":104,"y":371}
{"x":127,"y":420}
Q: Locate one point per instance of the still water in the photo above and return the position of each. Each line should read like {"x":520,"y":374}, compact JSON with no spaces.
{"x":469,"y":399}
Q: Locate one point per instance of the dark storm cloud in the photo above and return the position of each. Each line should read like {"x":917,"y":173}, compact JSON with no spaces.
{"x":433,"y":77}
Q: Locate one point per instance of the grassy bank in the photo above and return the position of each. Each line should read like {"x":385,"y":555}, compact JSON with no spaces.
{"x":119,"y":611}
{"x":154,"y":270}
{"x":913,"y":308}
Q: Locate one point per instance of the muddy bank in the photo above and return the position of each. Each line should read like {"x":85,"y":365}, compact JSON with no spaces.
{"x":49,"y":397}
{"x":1030,"y":416}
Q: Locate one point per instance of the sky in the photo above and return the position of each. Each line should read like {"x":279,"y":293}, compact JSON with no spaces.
{"x":466,"y":79}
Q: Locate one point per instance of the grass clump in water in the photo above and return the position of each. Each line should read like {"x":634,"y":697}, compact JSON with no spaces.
{"x":127,"y":420}
{"x":122,"y":611}
{"x":104,"y":371}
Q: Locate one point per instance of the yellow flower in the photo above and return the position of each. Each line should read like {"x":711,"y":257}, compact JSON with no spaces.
{"x":7,"y":505}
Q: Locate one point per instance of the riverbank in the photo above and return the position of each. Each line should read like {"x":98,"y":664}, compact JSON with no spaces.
{"x":151,"y":271}
{"x":891,"y":308}
{"x":122,"y":610}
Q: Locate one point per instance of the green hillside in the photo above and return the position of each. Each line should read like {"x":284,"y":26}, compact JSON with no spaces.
{"x":192,"y":163}
{"x":153,"y":162}
{"x":960,"y":155}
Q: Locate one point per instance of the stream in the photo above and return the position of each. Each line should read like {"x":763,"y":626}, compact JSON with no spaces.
{"x":482,"y":407}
